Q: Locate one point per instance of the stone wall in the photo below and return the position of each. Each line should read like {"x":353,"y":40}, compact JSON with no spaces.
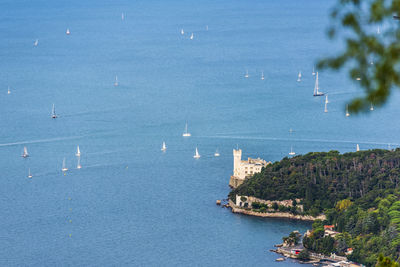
{"x":251,"y":200}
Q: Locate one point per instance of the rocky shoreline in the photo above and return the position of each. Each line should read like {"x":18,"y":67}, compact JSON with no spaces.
{"x":287,"y":215}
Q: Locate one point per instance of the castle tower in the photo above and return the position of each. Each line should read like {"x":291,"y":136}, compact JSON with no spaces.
{"x":237,"y":159}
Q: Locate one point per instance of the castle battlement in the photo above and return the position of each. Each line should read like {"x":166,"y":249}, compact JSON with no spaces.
{"x":243,"y":169}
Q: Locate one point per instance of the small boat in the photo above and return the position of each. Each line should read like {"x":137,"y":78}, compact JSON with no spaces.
{"x":206,"y":27}
{"x":196,"y":154}
{"x":29,"y":173}
{"x":216,"y":154}
{"x":122,"y":16}
{"x":326,"y":107}
{"x":292,"y":153}
{"x":191,"y":36}
{"x":36,"y":42}
{"x":182,"y":32}
{"x":247,"y":74}
{"x":326,"y":99}
{"x":116,"y":81}
{"x":68,"y":32}
{"x":291,"y":130}
{"x":53,"y":112}
{"x":358,"y":79}
{"x":299,"y":77}
{"x":371,"y":108}
{"x":78,"y":152}
{"x":347,"y":111}
{"x":9,"y":91}
{"x":316,"y":88}
{"x":64,"y":168}
{"x":79,"y":166}
{"x":378,"y":31}
{"x":186,"y":133}
{"x":25,"y":154}
{"x":313,"y":71}
{"x":164,"y":147}
{"x":262,"y":75}
{"x":357,"y":148}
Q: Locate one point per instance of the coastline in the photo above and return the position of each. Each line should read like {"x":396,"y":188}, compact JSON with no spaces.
{"x":285,"y":215}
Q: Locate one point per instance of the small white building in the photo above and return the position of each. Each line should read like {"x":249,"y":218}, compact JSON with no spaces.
{"x":243,"y":169}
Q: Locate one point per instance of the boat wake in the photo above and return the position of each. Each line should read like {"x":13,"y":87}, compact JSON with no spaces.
{"x":49,"y":140}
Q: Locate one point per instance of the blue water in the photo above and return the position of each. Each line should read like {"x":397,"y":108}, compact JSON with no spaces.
{"x":131,"y":204}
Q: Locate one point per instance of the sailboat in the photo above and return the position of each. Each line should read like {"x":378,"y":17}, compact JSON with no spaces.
{"x":9,"y":91}
{"x":53,"y":112}
{"x":182,"y":32}
{"x":247,"y":74}
{"x":262,"y":75}
{"x":292,"y":153}
{"x":326,"y":99}
{"x":313,"y":71}
{"x":78,"y":152}
{"x":186,"y":133}
{"x":36,"y":42}
{"x":316,"y":88}
{"x":116,"y":81}
{"x":25,"y":154}
{"x":68,"y":32}
{"x":196,"y":154}
{"x":164,"y":147}
{"x":371,"y":108}
{"x":357,"y":148}
{"x":290,"y":130}
{"x":29,"y":173}
{"x":347,"y":111}
{"x":122,"y":16}
{"x":378,"y":31}
{"x":191,"y":36}
{"x":64,"y":168}
{"x":326,"y":107}
{"x":206,"y":27}
{"x":216,"y":154}
{"x":299,"y":77}
{"x":79,"y":166}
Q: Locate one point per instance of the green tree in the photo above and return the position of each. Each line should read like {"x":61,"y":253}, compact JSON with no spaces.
{"x":386,"y":262}
{"x":357,"y":22}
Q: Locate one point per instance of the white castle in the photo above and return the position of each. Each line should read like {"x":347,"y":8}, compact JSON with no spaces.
{"x":243,"y":169}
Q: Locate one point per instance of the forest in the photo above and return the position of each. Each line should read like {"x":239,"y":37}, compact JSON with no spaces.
{"x":358,"y":192}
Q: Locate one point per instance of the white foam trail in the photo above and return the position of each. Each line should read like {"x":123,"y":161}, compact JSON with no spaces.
{"x":302,"y":140}
{"x":49,"y":140}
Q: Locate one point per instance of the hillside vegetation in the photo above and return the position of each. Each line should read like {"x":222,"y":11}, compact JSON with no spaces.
{"x":358,"y":192}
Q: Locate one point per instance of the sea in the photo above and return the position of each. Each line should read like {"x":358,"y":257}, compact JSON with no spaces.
{"x":132,"y":204}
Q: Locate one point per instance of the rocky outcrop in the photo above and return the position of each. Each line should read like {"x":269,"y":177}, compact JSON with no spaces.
{"x":236,"y":209}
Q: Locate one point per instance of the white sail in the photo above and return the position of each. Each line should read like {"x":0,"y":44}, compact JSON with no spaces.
{"x":247,"y":74}
{"x":191,"y":37}
{"x":196,"y":154}
{"x":29,"y":173}
{"x":326,"y":99}
{"x":116,"y":81}
{"x":291,"y":153}
{"x":347,"y":111}
{"x":299,"y":77}
{"x":216,"y":154}
{"x":316,"y":87}
{"x":9,"y":91}
{"x":262,"y":75}
{"x":357,"y":148}
{"x":378,"y":31}
{"x":36,"y":42}
{"x":313,"y":71}
{"x":68,"y":32}
{"x":326,"y":107}
{"x":53,"y":112}
{"x":182,"y":32}
{"x":164,"y":147}
{"x":206,"y":27}
{"x":64,"y":167}
{"x":25,"y":154}
{"x":122,"y":16}
{"x":78,"y":152}
{"x":371,"y":108}
{"x":186,"y":133}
